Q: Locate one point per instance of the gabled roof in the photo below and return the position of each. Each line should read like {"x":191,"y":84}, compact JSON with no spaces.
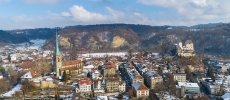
{"x":31,"y":74}
{"x":96,"y":81}
{"x":138,"y":77}
{"x":139,"y":86}
{"x":87,"y":82}
{"x":110,"y":65}
{"x":25,"y":65}
{"x":71,"y":62}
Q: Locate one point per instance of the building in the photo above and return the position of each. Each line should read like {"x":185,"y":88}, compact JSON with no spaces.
{"x":32,"y":75}
{"x":138,"y":78}
{"x":85,"y":85}
{"x":72,"y":67}
{"x":95,"y":74}
{"x":112,"y":84}
{"x":140,"y":90}
{"x":187,"y":50}
{"x":152,"y":79}
{"x":97,"y":85}
{"x":109,"y":69}
{"x":179,"y":77}
{"x":189,"y":88}
{"x":122,"y":86}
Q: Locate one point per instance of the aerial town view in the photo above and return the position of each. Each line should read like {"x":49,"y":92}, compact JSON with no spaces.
{"x":114,"y":50}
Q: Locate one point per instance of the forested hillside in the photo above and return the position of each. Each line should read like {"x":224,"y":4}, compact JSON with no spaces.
{"x":213,"y":38}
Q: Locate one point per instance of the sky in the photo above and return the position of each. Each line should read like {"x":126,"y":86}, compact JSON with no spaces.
{"x":23,"y":14}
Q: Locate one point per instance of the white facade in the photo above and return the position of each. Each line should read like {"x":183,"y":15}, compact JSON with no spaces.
{"x":189,"y":88}
{"x":122,"y":87}
{"x":180,"y":77}
{"x":85,"y":87}
{"x":95,"y":74}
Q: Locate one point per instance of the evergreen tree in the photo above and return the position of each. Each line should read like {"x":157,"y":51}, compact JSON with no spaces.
{"x":210,"y":73}
{"x":120,"y":97}
{"x":65,"y":77}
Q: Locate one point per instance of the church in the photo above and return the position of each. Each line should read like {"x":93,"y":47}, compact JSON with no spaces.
{"x":186,"y":50}
{"x":72,"y":67}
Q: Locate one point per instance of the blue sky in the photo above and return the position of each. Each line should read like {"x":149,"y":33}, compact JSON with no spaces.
{"x":21,"y":14}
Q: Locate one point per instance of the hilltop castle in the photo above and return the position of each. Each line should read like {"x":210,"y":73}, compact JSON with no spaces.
{"x":72,"y":67}
{"x":187,"y":50}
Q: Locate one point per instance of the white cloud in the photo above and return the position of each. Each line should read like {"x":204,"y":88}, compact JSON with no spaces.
{"x":41,"y":1}
{"x":81,"y":14}
{"x":195,"y":11}
{"x":65,"y":14}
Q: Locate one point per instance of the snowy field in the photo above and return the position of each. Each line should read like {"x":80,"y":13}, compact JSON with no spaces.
{"x":36,"y":44}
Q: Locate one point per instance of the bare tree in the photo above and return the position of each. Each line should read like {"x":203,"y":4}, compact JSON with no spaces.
{"x":13,"y":75}
{"x":3,"y":85}
{"x":42,"y":66}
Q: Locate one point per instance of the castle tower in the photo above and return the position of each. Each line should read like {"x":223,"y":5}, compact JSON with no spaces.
{"x":57,"y":58}
{"x":180,"y":44}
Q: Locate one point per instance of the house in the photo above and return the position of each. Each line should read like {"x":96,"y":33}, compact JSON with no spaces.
{"x":95,"y":74}
{"x":199,"y":67}
{"x":122,"y":86}
{"x":152,"y":79}
{"x":85,"y":85}
{"x":138,"y":78}
{"x":140,"y":90}
{"x":25,"y":66}
{"x":32,"y":75}
{"x":112,"y":84}
{"x":109,"y":69}
{"x":179,"y":77}
{"x":47,"y":83}
{"x":98,"y":86}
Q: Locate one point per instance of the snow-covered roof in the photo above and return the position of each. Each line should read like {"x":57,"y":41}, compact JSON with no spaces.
{"x":88,"y":67}
{"x":102,"y":98}
{"x":187,"y":84}
{"x":226,"y":96}
{"x":139,"y":86}
{"x":11,"y":92}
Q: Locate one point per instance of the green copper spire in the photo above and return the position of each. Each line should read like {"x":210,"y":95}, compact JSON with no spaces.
{"x":57,"y":52}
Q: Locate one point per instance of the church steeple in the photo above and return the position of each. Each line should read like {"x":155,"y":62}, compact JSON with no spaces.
{"x":57,"y":52}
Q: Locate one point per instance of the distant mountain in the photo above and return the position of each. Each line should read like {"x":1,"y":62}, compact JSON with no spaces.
{"x":6,"y":37}
{"x":38,"y":33}
{"x":199,"y":26}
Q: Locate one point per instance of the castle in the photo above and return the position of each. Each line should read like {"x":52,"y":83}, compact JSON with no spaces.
{"x":187,"y":50}
{"x":72,"y":67}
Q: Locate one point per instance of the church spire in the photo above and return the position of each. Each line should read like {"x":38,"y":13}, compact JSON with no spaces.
{"x":57,"y":52}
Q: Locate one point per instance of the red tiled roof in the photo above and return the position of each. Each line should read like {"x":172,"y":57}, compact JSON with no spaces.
{"x":34,"y":73}
{"x":69,"y":68}
{"x":138,"y":77}
{"x":81,"y":82}
{"x":142,"y":87}
{"x":25,"y":65}
{"x":110,"y":65}
{"x":71,"y":62}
